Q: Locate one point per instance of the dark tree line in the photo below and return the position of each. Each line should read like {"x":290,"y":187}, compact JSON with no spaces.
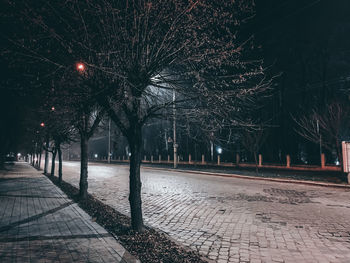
{"x":312,"y":54}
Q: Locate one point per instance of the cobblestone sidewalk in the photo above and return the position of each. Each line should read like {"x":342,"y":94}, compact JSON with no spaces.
{"x":38,"y":223}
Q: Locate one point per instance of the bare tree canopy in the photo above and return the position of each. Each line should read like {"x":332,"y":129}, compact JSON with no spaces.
{"x":137,"y":54}
{"x":327,"y":126}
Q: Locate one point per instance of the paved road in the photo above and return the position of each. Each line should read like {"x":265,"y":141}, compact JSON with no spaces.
{"x":230,"y":219}
{"x":38,"y":223}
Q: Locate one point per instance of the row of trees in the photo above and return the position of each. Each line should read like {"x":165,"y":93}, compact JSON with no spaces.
{"x":126,"y":59}
{"x":322,"y":130}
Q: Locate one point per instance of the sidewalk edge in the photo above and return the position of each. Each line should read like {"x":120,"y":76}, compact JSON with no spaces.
{"x":248,"y":177}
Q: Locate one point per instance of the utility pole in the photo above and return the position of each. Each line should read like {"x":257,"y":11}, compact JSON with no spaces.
{"x":166,"y":141}
{"x":318,"y":131}
{"x":109,"y":140}
{"x":174,"y":129}
{"x":212,"y":146}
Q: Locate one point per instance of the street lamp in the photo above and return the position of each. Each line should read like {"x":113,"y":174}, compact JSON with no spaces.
{"x":174,"y":129}
{"x":109,"y":141}
{"x":42,"y":124}
{"x":219,"y":150}
{"x":80,"y":66}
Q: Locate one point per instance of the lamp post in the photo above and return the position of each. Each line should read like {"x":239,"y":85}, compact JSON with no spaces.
{"x":211,"y":146}
{"x":42,"y":125}
{"x":318,"y":131}
{"x":174,"y":130}
{"x":219,"y":151}
{"x":109,"y":140}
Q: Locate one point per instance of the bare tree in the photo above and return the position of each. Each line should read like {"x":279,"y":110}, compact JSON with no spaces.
{"x":153,"y":49}
{"x":327,"y":127}
{"x":141,"y":53}
{"x":85,"y":115}
{"x":252,"y":138}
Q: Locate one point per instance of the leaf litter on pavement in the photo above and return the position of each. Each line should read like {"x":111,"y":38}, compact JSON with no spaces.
{"x":150,"y":246}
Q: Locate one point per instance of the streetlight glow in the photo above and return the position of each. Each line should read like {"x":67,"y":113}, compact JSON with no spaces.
{"x":42,"y":124}
{"x":219,"y":150}
{"x":80,"y":66}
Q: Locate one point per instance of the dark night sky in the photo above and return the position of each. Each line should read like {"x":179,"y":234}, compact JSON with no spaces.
{"x":308,"y":41}
{"x":288,"y":30}
{"x":305,"y":20}
{"x":303,"y":39}
{"x":282,"y":25}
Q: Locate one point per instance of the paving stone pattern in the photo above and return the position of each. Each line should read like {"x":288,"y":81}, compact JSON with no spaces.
{"x":38,"y":223}
{"x":234,"y":220}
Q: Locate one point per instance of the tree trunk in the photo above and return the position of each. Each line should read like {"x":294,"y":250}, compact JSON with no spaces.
{"x":59,"y":151}
{"x":46,"y":155}
{"x":2,"y":160}
{"x":256,"y":163}
{"x":135,"y":143}
{"x":36,"y":159}
{"x":40,"y":160}
{"x":54,"y":152}
{"x":83,"y":184}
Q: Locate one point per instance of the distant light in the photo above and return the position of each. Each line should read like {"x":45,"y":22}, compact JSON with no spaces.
{"x":129,"y":154}
{"x":96,"y":155}
{"x":52,"y":108}
{"x":19,"y":154}
{"x":42,"y":124}
{"x":337,"y":162}
{"x":80,"y":66}
{"x":219,"y":150}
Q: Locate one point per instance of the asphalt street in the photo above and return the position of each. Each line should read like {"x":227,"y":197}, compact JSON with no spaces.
{"x":232,"y":219}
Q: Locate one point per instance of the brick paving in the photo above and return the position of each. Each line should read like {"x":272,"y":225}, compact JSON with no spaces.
{"x":38,"y":223}
{"x":231,"y":219}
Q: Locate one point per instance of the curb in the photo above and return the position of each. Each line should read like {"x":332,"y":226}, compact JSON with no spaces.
{"x":247,"y":177}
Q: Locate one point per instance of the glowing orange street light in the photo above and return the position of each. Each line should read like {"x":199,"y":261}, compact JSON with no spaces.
{"x":80,"y":66}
